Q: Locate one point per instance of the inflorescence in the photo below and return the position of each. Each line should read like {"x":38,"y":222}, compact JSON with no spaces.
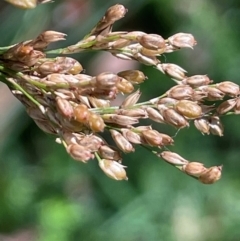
{"x":76,"y":107}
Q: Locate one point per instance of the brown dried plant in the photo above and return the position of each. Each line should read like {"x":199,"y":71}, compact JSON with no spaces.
{"x":77,"y":107}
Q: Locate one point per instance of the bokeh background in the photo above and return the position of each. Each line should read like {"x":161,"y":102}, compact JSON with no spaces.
{"x":46,"y":196}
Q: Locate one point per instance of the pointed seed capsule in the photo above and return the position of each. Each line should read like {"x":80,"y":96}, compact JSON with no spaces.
{"x":96,"y":122}
{"x":173,"y":158}
{"x":196,"y":80}
{"x":107,"y":152}
{"x":134,"y":76}
{"x":173,"y":118}
{"x":216,"y":127}
{"x":202,"y":125}
{"x":211,"y":175}
{"x":64,"y":107}
{"x":152,"y":41}
{"x":173,"y":70}
{"x":152,"y":137}
{"x":194,"y":169}
{"x":180,"y":92}
{"x":132,"y":99}
{"x":228,"y":88}
{"x":79,"y":153}
{"x":226,"y":106}
{"x":188,"y":109}
{"x":125,"y":86}
{"x":81,"y":113}
{"x":113,"y":169}
{"x":122,"y":143}
{"x":182,"y":40}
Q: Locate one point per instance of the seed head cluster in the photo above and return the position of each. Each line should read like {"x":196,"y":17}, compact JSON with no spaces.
{"x":77,"y":107}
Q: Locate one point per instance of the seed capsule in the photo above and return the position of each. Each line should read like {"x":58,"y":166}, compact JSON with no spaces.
{"x":106,"y":80}
{"x":152,"y":41}
{"x":188,"y":109}
{"x":180,"y":92}
{"x":134,"y":76}
{"x":194,"y":169}
{"x":216,"y":127}
{"x":122,"y":143}
{"x":125,"y":86}
{"x":197,"y":80}
{"x":91,"y":142}
{"x":95,"y":122}
{"x":202,"y":125}
{"x":151,"y":53}
{"x":120,"y":119}
{"x":173,"y":70}
{"x":173,"y":118}
{"x":98,"y":103}
{"x":152,"y":137}
{"x":154,"y":115}
{"x":107,"y":152}
{"x":228,"y":88}
{"x":131,"y":99}
{"x":79,"y":153}
{"x":211,"y":175}
{"x":226,"y":106}
{"x":115,"y":13}
{"x":212,"y":93}
{"x":132,"y":136}
{"x":182,"y":40}
{"x":113,"y":169}
{"x":173,"y":158}
{"x":81,"y":113}
{"x":64,"y":107}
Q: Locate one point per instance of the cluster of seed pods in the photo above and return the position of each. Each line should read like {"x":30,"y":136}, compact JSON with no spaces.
{"x":77,"y":107}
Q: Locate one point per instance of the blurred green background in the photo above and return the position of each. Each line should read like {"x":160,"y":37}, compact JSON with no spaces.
{"x":46,"y":196}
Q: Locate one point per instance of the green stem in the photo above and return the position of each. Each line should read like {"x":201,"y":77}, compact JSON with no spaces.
{"x":18,"y":87}
{"x":97,"y":156}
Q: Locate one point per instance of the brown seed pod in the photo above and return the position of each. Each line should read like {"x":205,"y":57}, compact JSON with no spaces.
{"x":188,"y":109}
{"x":134,"y":76}
{"x":113,"y":169}
{"x":125,"y":86}
{"x":173,"y":158}
{"x":226,"y":106}
{"x":211,"y":175}
{"x":152,"y":41}
{"x":152,"y":137}
{"x":182,"y":40}
{"x":122,"y":143}
{"x":79,"y":153}
{"x":229,"y":88}
{"x":64,"y":107}
{"x":173,"y":118}
{"x":173,"y":70}
{"x":196,"y":80}
{"x":180,"y":92}
{"x":81,"y":113}
{"x":216,"y":127}
{"x":96,"y":122}
{"x":202,"y":125}
{"x":194,"y":169}
{"x":109,"y":152}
